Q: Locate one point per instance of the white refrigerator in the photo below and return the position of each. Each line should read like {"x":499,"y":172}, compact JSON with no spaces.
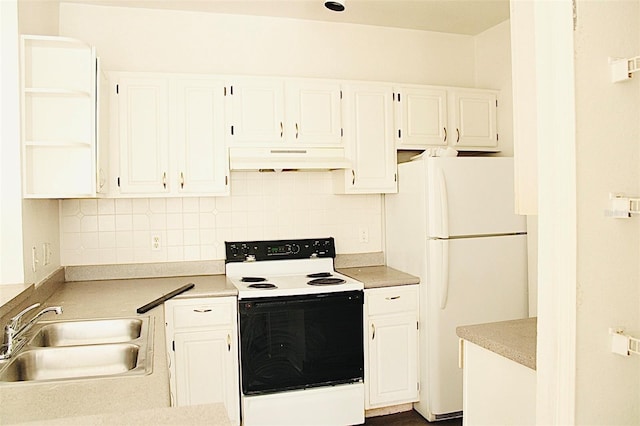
{"x":452,"y":223}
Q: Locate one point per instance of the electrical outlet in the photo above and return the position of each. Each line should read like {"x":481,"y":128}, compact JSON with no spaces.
{"x":363,"y":234}
{"x":34,"y":259}
{"x":155,"y":242}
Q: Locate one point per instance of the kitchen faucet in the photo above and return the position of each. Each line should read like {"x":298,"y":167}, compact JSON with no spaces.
{"x":14,"y":330}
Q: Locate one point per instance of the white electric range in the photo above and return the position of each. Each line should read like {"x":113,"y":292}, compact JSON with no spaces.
{"x":301,"y":333}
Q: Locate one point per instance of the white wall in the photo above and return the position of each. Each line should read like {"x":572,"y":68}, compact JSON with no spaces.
{"x":38,"y":17}
{"x":40,"y":225}
{"x":493,"y":70}
{"x":11,"y":271}
{"x":160,"y":40}
{"x":608,"y":261}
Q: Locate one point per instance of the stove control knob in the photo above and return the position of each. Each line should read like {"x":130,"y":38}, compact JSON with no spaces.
{"x":295,"y":249}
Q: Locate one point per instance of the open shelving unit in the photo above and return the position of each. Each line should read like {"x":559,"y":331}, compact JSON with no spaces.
{"x":58,"y":89}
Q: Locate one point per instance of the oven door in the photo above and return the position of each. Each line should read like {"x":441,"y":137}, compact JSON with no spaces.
{"x":296,"y":342}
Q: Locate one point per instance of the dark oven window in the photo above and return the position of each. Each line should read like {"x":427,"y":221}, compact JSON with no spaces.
{"x":293,"y":342}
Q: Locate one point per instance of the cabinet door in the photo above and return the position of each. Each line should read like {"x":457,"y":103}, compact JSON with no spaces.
{"x":143,"y":121}
{"x":474,"y":118}
{"x":422,"y":117}
{"x":369,"y":139}
{"x":201,"y":160}
{"x":257,"y":111}
{"x":206,"y":369}
{"x":393,"y":359}
{"x":313,"y":113}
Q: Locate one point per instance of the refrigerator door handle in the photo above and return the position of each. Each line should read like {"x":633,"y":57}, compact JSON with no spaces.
{"x":443,"y":202}
{"x":444,"y":273}
{"x":439,"y":270}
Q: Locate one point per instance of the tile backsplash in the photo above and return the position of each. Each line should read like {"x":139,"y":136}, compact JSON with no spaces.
{"x":261,"y":206}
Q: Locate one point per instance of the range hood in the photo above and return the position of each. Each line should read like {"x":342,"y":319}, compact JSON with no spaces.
{"x":287,"y":158}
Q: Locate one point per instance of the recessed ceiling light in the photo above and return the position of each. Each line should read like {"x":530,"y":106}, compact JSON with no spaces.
{"x":336,"y":6}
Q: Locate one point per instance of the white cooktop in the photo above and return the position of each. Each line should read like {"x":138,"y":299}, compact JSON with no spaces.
{"x":288,"y":276}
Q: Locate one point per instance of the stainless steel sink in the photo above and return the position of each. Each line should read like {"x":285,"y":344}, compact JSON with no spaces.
{"x":89,"y":332}
{"x":72,"y":362}
{"x":64,"y":350}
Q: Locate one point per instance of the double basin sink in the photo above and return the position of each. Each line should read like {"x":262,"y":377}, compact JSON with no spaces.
{"x":63,"y":350}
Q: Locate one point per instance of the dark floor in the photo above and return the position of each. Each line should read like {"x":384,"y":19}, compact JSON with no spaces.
{"x":408,"y":418}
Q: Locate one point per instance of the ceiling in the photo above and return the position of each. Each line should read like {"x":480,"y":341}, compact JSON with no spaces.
{"x":451,"y":16}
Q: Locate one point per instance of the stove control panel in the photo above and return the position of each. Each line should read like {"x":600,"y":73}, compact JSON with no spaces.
{"x":250,"y":251}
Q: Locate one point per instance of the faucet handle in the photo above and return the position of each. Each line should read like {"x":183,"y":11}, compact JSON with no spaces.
{"x":15,"y":321}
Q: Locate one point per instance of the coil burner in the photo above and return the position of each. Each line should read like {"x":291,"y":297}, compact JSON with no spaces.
{"x":326,"y":281}
{"x":262,"y":285}
{"x":253,"y":279}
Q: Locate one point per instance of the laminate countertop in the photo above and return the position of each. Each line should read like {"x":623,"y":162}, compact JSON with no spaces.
{"x":514,"y":340}
{"x":139,"y":400}
{"x":134,"y":400}
{"x":379,"y":276}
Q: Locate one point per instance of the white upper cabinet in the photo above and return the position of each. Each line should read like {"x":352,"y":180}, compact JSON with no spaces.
{"x":58,"y":117}
{"x":430,"y":116}
{"x":143,"y":130}
{"x":171,"y":135}
{"x":257,"y":115}
{"x":473,"y":114}
{"x":313,"y":112}
{"x":201,"y":158}
{"x":369,"y":141}
{"x":421,"y":116}
{"x":275,"y":112}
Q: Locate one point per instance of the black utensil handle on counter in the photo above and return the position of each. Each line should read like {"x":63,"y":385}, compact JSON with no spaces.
{"x":162,"y":299}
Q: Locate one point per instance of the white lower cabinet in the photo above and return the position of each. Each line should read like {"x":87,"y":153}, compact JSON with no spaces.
{"x":202,"y":346}
{"x":497,"y":390}
{"x":391,"y":346}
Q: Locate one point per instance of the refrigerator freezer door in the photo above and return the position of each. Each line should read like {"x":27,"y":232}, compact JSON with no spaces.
{"x":468,"y":281}
{"x":471,"y":196}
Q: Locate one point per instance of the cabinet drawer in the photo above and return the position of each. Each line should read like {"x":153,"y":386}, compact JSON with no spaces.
{"x":197,"y":313}
{"x":391,"y":300}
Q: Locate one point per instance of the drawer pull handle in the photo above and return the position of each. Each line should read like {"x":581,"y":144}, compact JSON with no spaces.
{"x":392,"y":297}
{"x":202,"y":311}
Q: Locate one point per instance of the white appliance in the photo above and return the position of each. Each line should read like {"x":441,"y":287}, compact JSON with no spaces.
{"x":301,"y":335}
{"x":452,"y":223}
